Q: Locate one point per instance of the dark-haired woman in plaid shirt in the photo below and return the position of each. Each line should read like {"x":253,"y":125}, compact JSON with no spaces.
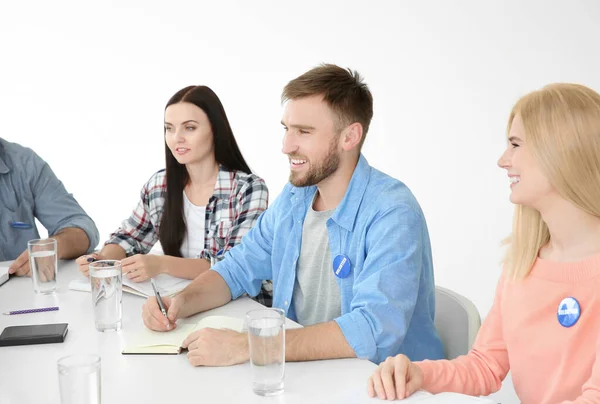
{"x":199,"y":207}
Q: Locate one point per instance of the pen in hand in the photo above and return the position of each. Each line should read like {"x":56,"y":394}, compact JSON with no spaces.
{"x":159,"y":300}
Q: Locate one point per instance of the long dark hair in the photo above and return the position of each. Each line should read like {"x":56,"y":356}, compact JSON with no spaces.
{"x":227,"y":154}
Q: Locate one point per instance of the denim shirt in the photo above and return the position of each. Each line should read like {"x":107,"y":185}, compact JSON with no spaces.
{"x":388,"y":298}
{"x":28,"y":190}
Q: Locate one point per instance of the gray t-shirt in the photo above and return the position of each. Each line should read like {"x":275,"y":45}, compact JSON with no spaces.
{"x":316,"y":293}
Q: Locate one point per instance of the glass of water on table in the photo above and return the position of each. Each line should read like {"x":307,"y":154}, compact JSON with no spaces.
{"x":107,"y":292}
{"x":79,"y":379}
{"x":43,"y":263}
{"x":266,"y":340}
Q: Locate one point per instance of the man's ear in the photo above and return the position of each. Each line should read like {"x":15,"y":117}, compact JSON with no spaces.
{"x":352,"y":136}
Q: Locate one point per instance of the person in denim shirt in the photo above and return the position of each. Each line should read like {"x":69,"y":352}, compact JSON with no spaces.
{"x":29,"y":190}
{"x":346,"y":245}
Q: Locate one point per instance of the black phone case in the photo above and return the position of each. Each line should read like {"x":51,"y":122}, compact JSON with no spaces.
{"x":41,"y":336}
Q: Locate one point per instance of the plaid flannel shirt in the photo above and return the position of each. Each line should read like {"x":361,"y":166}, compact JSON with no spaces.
{"x":237,"y":202}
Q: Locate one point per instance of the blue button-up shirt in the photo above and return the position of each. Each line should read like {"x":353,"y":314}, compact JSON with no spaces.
{"x":387,"y":299}
{"x":28,"y":190}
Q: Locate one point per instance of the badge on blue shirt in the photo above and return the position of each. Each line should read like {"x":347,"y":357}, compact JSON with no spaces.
{"x":341,"y":266}
{"x":568,"y":312}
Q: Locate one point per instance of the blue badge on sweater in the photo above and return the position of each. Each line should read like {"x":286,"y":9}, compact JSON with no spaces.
{"x":341,"y":266}
{"x":568,"y":311}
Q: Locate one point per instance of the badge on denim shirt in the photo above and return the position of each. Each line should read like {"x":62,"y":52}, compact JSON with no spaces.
{"x":341,"y":266}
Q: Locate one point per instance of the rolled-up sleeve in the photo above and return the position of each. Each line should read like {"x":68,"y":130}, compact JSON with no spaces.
{"x":137,"y":233}
{"x":386,"y":289}
{"x":55,"y":208}
{"x":249,"y":263}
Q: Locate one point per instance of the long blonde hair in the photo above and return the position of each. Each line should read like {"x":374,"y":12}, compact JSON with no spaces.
{"x":562,"y":130}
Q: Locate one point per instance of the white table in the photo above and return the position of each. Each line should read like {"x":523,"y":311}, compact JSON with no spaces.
{"x":28,"y":374}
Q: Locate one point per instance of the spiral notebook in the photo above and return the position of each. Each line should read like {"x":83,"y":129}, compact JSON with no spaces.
{"x":148,"y":342}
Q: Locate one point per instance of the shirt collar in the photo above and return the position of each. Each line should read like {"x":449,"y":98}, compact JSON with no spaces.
{"x":346,"y":212}
{"x":224,"y":183}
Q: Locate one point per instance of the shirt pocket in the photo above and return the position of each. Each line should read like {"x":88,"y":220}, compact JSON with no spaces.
{"x":22,"y":213}
{"x":223,"y":229}
{"x":17,"y":236}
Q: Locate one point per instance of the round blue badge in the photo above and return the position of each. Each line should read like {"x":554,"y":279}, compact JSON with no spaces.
{"x":568,"y":311}
{"x":341,"y":266}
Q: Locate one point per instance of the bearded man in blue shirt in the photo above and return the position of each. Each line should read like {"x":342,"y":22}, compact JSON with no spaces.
{"x":346,"y":245}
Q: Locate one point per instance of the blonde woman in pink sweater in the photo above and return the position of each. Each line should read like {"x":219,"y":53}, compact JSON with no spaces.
{"x":544,"y":325}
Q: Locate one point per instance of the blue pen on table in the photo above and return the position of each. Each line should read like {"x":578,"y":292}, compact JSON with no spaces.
{"x":158,"y":298}
{"x":27,"y":311}
{"x":20,"y":225}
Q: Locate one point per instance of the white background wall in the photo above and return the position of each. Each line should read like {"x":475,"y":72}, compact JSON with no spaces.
{"x":85,"y":84}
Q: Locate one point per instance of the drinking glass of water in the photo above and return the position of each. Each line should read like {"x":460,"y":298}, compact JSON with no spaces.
{"x":266,"y":340}
{"x":43,"y":263}
{"x":107,"y":291}
{"x":79,"y":379}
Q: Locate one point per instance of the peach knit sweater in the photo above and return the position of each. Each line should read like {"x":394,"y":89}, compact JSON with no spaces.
{"x":549,"y":363}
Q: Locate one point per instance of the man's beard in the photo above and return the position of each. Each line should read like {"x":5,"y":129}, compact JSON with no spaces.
{"x":318,"y":173}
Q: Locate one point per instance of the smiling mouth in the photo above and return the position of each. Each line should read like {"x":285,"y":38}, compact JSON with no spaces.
{"x":296,"y":163}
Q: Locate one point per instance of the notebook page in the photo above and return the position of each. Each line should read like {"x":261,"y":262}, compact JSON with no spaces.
{"x":167,"y":285}
{"x":3,"y":274}
{"x":82,"y":285}
{"x":148,"y":337}
{"x":230,"y":323}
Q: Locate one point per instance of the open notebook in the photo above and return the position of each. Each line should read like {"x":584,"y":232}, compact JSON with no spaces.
{"x":167,"y":285}
{"x":169,"y":343}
